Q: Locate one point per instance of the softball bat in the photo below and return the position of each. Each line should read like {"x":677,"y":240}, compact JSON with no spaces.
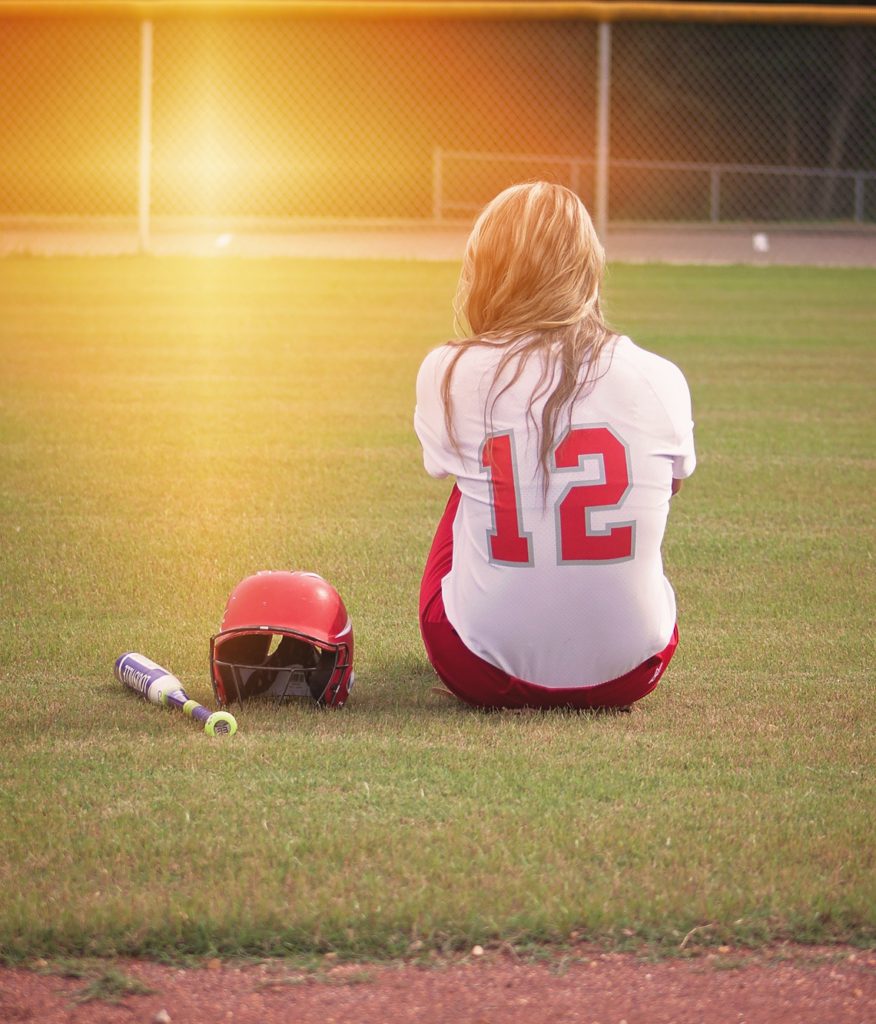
{"x":156,"y":684}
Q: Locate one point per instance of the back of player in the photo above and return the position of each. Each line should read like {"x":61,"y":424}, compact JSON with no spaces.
{"x":545,"y":582}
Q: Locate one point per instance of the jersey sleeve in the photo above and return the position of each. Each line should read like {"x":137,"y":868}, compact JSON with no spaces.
{"x":438,"y":453}
{"x":670,"y":388}
{"x":685,"y":462}
{"x":677,"y":403}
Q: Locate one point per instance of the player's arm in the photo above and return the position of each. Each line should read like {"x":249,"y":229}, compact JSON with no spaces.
{"x":429,"y":417}
{"x":676,"y":485}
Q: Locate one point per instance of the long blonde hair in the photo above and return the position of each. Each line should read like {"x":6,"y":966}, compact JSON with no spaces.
{"x":530,"y":284}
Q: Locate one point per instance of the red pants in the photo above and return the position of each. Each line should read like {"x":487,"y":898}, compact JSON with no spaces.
{"x":481,"y":684}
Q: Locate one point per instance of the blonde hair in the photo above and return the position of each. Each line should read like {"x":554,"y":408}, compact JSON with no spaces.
{"x":530,"y":284}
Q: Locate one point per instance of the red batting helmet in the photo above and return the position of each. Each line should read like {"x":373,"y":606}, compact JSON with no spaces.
{"x":284,"y":634}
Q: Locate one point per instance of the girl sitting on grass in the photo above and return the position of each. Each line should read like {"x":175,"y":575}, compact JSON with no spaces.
{"x":544,"y":586}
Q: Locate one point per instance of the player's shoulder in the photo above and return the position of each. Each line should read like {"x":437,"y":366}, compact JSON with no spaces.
{"x":432,"y":367}
{"x":436,"y":360}
{"x":470,"y":363}
{"x":660,"y":373}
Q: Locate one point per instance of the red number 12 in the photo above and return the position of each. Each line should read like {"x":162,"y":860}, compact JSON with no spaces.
{"x":577,"y":540}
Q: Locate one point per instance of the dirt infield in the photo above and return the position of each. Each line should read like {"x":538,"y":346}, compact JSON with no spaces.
{"x":777,"y":986}
{"x":758,"y":245}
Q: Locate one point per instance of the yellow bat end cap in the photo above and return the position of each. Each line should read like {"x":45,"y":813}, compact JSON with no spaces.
{"x":220,"y":723}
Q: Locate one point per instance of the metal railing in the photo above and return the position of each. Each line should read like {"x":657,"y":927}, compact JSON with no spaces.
{"x":578,"y":173}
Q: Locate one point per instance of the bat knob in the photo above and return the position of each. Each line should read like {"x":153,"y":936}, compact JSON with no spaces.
{"x":220,"y":723}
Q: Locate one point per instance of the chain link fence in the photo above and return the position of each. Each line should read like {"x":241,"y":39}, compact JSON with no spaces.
{"x":268,"y":121}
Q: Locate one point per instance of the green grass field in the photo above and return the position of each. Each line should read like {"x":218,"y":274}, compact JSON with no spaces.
{"x":168,"y":427}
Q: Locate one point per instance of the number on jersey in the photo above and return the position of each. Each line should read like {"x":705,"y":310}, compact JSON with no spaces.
{"x":578,"y":540}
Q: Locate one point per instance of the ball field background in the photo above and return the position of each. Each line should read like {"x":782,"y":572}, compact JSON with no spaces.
{"x":169,"y":426}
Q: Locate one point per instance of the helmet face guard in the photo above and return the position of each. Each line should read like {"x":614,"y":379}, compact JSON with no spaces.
{"x":278,"y":664}
{"x":283,"y":635}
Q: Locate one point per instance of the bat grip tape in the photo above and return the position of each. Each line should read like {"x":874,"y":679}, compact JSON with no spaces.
{"x":197,"y":711}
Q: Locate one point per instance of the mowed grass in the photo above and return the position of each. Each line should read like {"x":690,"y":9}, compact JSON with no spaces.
{"x":168,"y":427}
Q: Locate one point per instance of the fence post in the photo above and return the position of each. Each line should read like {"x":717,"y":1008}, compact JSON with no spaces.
{"x":144,"y":184}
{"x":859,"y":199}
{"x":603,"y":87}
{"x":715,"y":195}
{"x":437,"y":184}
{"x":575,"y":176}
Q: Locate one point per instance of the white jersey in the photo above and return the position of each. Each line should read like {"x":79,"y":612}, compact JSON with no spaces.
{"x":569,"y":591}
